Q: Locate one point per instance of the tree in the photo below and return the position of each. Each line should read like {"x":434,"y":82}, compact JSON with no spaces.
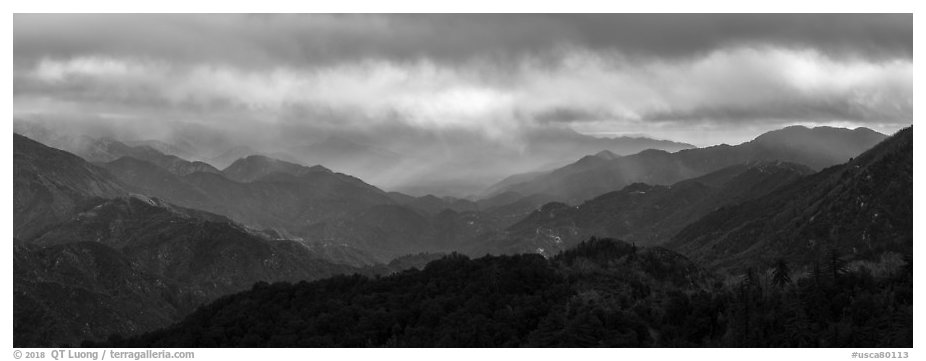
{"x":781,"y":274}
{"x":836,"y":265}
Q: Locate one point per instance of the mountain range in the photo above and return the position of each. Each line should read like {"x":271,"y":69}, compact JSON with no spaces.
{"x":597,"y":174}
{"x":138,"y":238}
{"x":78,"y":231}
{"x":411,"y":162}
{"x":861,"y":208}
{"x":645,"y":214}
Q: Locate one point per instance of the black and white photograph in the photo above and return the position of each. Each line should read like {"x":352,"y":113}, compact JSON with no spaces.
{"x":461,"y":180}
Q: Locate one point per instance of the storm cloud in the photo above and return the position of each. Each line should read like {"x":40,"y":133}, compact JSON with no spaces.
{"x":663,"y":75}
{"x":295,"y":39}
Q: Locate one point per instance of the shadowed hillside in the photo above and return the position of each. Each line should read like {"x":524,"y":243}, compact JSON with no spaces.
{"x":602,"y":293}
{"x":49,"y":184}
{"x":129,"y":255}
{"x":641,"y":213}
{"x":861,"y":208}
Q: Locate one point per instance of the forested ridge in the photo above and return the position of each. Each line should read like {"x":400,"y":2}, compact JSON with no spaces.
{"x":601,"y":293}
{"x":818,"y":260}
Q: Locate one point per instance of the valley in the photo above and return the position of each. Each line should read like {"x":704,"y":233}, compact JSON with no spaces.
{"x":148,"y":238}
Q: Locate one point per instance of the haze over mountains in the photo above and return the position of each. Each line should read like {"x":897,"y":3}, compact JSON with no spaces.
{"x":417,"y":163}
{"x":647,"y":214}
{"x":144,"y":237}
{"x":596,"y":174}
{"x":324,"y":208}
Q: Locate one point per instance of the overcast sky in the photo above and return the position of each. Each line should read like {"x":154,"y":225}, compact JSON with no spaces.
{"x":702,"y":79}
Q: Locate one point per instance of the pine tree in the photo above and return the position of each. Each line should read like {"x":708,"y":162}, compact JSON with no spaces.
{"x":836,"y":265}
{"x":781,"y":274}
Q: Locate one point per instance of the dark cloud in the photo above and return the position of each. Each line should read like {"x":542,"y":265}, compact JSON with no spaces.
{"x":259,"y":40}
{"x":679,"y":35}
{"x":290,"y":39}
{"x":498,"y":76}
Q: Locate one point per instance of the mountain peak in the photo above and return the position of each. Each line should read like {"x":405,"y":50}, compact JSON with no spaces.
{"x":606,"y":155}
{"x":842,"y":207}
{"x":652,"y":152}
{"x":786,"y":133}
{"x":254,"y":167}
{"x":590,"y":176}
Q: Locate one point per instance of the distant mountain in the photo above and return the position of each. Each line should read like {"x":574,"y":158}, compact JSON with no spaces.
{"x":287,"y":195}
{"x":607,"y":155}
{"x":818,"y":147}
{"x":500,"y":199}
{"x":177,"y":148}
{"x":860,"y":209}
{"x":509,"y":182}
{"x":431,"y":204}
{"x":107,"y":150}
{"x":457,"y":163}
{"x":103,"y":150}
{"x":229,"y":156}
{"x":143,"y":263}
{"x":268,"y":193}
{"x":464,"y":164}
{"x":595,"y":174}
{"x":49,"y":184}
{"x":644,"y":214}
{"x":344,"y":154}
{"x":566,"y":141}
{"x":335,"y":214}
{"x":175,"y":164}
{"x":254,"y":167}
